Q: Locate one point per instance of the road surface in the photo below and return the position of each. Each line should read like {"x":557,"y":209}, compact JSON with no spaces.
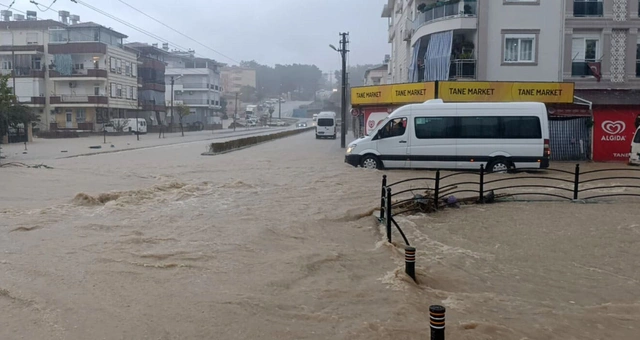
{"x":277,"y":241}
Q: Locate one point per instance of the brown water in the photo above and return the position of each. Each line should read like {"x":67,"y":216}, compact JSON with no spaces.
{"x":277,"y":242}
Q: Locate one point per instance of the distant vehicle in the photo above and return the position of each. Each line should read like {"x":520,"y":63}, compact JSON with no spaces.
{"x":127,"y":125}
{"x":252,"y":122}
{"x":315,"y":116}
{"x":282,"y":100}
{"x":251,"y":111}
{"x":634,"y":158}
{"x":438,"y":135}
{"x":301,"y":125}
{"x":326,"y":125}
{"x":280,"y":123}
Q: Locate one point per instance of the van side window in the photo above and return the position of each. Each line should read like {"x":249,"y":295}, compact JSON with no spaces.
{"x":435,"y":127}
{"x":636,"y":139}
{"x":479,"y":127}
{"x":394,"y":128}
{"x":521,"y":127}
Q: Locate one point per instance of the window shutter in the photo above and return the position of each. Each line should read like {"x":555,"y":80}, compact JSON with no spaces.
{"x":134,"y":69}
{"x":577,"y":49}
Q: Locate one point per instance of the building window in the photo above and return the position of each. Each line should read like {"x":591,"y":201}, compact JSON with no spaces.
{"x":135,"y":93}
{"x":6,"y":65}
{"x":638,"y":61}
{"x":112,"y":90}
{"x":119,"y":91}
{"x":112,"y":64}
{"x":81,"y":116}
{"x":134,"y":70}
{"x":127,"y":68}
{"x":130,"y":92}
{"x":78,"y":66}
{"x":119,"y":66}
{"x":32,"y":38}
{"x":587,"y":8}
{"x":36,"y":63}
{"x":96,"y":90}
{"x":584,"y":50}
{"x":519,"y":48}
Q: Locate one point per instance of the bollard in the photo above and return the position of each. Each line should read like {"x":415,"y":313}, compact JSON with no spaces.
{"x":436,"y":321}
{"x":384,"y":191}
{"x":410,"y":262}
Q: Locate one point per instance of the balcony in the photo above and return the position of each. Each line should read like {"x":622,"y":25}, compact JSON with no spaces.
{"x":197,"y":102}
{"x":25,"y":72}
{"x":585,"y":68}
{"x":81,"y":73}
{"x":587,"y":8}
{"x":195,"y":86}
{"x":445,"y":10}
{"x":462,"y":69}
{"x":72,"y":99}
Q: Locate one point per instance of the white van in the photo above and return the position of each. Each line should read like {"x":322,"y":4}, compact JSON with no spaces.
{"x":127,"y":125}
{"x":326,"y":125}
{"x":438,"y":135}
{"x":634,"y":158}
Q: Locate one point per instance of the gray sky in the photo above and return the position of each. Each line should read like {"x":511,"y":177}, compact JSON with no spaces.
{"x":268,"y":31}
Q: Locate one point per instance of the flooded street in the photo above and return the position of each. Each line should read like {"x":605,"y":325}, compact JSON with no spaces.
{"x":277,"y":241}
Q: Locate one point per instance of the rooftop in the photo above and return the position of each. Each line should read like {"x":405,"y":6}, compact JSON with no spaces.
{"x":91,"y":24}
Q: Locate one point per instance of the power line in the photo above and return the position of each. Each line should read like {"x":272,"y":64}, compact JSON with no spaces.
{"x":173,"y":29}
{"x":38,"y":5}
{"x":133,"y":26}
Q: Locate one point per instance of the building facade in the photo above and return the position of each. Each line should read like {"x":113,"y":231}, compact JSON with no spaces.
{"x":196,"y":84}
{"x":376,"y":75}
{"x":152,"y":91}
{"x":75,"y":76}
{"x":235,"y":77}
{"x":591,"y":43}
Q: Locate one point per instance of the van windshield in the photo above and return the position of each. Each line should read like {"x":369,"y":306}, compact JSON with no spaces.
{"x":325,"y":122}
{"x":636,"y":139}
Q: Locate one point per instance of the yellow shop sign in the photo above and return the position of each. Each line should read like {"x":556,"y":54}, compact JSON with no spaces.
{"x":392,"y":94}
{"x":478,"y":91}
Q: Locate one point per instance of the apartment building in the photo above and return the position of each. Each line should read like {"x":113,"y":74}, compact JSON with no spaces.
{"x":152,"y":91}
{"x":591,"y":43}
{"x":235,"y":77}
{"x":196,"y":84}
{"x":376,"y":75}
{"x":74,"y":75}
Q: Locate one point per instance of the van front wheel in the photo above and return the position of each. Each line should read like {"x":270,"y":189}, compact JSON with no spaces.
{"x":500,"y":165}
{"x":370,"y":162}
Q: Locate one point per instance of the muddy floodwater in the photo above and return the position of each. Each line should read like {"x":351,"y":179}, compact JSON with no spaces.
{"x":278,"y":241}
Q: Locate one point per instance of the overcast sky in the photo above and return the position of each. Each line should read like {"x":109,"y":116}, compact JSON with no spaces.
{"x":268,"y":31}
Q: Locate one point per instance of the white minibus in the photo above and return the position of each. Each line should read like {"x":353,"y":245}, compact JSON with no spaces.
{"x":438,"y":135}
{"x":326,"y":125}
{"x":634,"y":158}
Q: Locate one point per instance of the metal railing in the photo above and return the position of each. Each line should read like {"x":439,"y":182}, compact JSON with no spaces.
{"x":480,"y":187}
{"x":462,"y":69}
{"x":463,"y":8}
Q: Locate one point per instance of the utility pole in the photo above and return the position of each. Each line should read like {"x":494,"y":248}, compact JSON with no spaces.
{"x":280,"y":107}
{"x":343,"y":107}
{"x":171,"y":125}
{"x":235,"y":113}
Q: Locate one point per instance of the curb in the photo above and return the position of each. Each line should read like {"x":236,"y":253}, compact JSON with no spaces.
{"x":243,"y":143}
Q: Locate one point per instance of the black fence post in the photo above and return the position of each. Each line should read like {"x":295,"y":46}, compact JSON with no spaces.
{"x":410,"y":262}
{"x":436,"y":191}
{"x":576,"y":182}
{"x":382,"y":196}
{"x":388,"y":214}
{"x":481,"y":199}
{"x":436,"y":321}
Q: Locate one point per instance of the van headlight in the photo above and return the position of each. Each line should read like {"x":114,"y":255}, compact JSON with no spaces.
{"x":351,"y":147}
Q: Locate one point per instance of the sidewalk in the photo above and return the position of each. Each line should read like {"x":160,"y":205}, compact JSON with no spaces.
{"x":47,"y":149}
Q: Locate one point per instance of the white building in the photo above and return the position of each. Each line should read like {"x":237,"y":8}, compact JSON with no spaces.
{"x":196,"y":84}
{"x":376,"y":75}
{"x":75,"y":75}
{"x":590,"y":42}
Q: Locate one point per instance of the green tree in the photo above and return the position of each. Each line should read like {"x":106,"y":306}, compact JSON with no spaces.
{"x":182,"y":112}
{"x":12,"y":114}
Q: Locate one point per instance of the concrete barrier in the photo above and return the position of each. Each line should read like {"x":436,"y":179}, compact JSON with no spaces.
{"x":241,"y":143}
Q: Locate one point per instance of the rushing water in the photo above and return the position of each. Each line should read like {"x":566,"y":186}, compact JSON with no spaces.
{"x":278,"y":242}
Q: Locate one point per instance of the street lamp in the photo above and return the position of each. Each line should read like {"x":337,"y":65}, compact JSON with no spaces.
{"x":343,"y":106}
{"x":235,"y":113}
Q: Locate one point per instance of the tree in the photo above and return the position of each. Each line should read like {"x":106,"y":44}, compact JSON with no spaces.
{"x":182,"y":112}
{"x":119,"y":125}
{"x":12,"y":114}
{"x":248,"y":94}
{"x":299,"y":79}
{"x":223,"y":107}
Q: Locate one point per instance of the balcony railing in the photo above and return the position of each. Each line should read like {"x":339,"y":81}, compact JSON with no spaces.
{"x":452,"y":9}
{"x":462,"y":69}
{"x":581,"y":68}
{"x":89,"y":73}
{"x":587,"y":8}
{"x":25,"y":72}
{"x":195,"y":86}
{"x":72,"y":99}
